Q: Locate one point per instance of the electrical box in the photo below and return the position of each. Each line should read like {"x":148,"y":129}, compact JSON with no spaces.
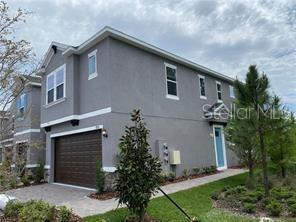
{"x":175,"y":157}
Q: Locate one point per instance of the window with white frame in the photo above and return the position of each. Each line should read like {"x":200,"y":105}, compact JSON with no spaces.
{"x":219,"y":91}
{"x":231,"y":91}
{"x":92,"y":64}
{"x":171,"y":81}
{"x":55,"y":85}
{"x":202,"y":87}
{"x":22,"y":103}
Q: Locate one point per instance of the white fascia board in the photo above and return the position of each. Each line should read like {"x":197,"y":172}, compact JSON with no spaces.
{"x":108,"y":31}
{"x":87,"y":129}
{"x":27,"y":131}
{"x":79,"y":117}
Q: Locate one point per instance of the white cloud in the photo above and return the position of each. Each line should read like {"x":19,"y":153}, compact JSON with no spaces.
{"x":225,"y":35}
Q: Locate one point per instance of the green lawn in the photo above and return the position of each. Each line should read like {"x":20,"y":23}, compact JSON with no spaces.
{"x":196,"y":202}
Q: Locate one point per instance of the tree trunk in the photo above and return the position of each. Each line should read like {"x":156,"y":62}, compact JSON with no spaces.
{"x":283,"y":170}
{"x":251,"y":165}
{"x":264,"y":163}
{"x":142,"y":213}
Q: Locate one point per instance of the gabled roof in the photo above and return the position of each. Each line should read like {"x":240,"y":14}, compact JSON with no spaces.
{"x":110,"y":32}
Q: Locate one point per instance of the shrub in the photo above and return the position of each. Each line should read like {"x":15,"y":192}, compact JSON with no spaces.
{"x":25,"y":180}
{"x":100,"y":177}
{"x":13,"y":182}
{"x":292,"y":209}
{"x":39,"y":173}
{"x":281,"y":193}
{"x":213,"y":169}
{"x":215,"y":195}
{"x":249,"y":198}
{"x":37,"y":211}
{"x":291,"y":200}
{"x":249,"y":207}
{"x":196,"y":171}
{"x":63,"y":214}
{"x":206,"y":170}
{"x":186,"y":173}
{"x":274,"y":208}
{"x":172,"y":176}
{"x":13,"y":208}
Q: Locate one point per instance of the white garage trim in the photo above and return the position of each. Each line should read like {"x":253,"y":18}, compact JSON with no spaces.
{"x":74,"y":186}
{"x":87,"y":129}
{"x":79,"y":117}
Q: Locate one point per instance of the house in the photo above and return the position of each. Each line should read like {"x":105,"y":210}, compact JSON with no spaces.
{"x":88,"y":92}
{"x":22,"y":138}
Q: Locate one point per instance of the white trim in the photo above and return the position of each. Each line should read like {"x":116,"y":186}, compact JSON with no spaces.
{"x":27,"y":131}
{"x":170,"y":96}
{"x":54,"y":73}
{"x":109,"y":169}
{"x":231,"y":92}
{"x":79,"y":117}
{"x":8,"y":145}
{"x":219,"y":83}
{"x":108,"y":31}
{"x":32,"y":165}
{"x":87,"y":129}
{"x":6,"y":140}
{"x":74,"y":186}
{"x":202,"y":96}
{"x":55,"y":102}
{"x":33,"y":84}
{"x":12,"y":165}
{"x":95,"y":73}
{"x":21,"y":141}
{"x":223,"y":146}
{"x":47,"y":167}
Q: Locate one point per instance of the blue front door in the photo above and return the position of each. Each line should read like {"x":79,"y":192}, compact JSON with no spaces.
{"x":219,"y":147}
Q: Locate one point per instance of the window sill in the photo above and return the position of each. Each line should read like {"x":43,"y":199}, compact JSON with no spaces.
{"x":92,"y":76}
{"x":203,"y":97}
{"x":55,"y":102}
{"x":172,"y":97}
{"x":220,"y":101}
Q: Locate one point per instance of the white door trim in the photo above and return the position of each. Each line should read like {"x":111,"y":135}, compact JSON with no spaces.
{"x":223,"y":145}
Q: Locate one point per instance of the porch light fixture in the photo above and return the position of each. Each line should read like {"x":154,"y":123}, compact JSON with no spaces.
{"x":104,"y":133}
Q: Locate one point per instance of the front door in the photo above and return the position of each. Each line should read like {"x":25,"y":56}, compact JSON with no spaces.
{"x":220,"y":148}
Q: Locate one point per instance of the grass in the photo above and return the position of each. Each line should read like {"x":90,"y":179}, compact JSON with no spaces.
{"x":196,"y":202}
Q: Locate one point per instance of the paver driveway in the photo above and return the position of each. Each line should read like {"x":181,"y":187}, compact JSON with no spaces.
{"x":77,"y":199}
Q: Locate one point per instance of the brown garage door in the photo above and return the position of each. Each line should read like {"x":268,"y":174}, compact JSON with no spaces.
{"x":75,"y":158}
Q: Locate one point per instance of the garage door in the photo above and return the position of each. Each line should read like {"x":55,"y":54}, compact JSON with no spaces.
{"x":75,"y":158}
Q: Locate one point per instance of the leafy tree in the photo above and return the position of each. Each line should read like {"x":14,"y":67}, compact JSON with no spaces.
{"x":281,"y":139}
{"x":239,"y":132}
{"x":139,"y":173}
{"x":100,"y":177}
{"x":253,"y":95}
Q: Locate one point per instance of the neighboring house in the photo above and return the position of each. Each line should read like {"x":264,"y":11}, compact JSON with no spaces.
{"x":22,"y":137}
{"x":88,"y":92}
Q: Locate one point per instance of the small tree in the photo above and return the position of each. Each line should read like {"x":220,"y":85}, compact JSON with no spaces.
{"x":139,"y":173}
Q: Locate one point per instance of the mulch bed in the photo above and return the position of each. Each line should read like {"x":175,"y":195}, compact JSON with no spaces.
{"x":110,"y":195}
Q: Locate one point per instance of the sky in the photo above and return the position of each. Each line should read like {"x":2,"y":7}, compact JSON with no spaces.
{"x":226,"y":36}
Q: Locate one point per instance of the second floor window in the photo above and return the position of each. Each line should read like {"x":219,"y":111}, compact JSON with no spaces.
{"x":219,"y":91}
{"x":202,"y":87}
{"x":56,"y":85}
{"x":231,"y":91}
{"x":92,"y":65}
{"x":22,"y":103}
{"x":171,"y":81}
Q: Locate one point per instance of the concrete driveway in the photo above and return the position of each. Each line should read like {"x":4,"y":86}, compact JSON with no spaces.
{"x":77,"y":199}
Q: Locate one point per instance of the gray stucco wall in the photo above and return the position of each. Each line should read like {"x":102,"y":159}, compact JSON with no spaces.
{"x":130,"y":78}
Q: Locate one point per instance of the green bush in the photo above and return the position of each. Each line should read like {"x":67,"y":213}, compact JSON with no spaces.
{"x":13,"y":208}
{"x":196,"y":171}
{"x":39,"y":173}
{"x":291,"y":200}
{"x":37,"y":211}
{"x":13,"y":182}
{"x":292,"y":209}
{"x":100,"y":177}
{"x":172,"y":176}
{"x":206,"y":170}
{"x":249,"y":207}
{"x":186,"y":173}
{"x":63,"y":214}
{"x":281,"y":193}
{"x":215,"y":195}
{"x":25,"y":180}
{"x":213,"y":169}
{"x":249,"y":198}
{"x":274,"y":208}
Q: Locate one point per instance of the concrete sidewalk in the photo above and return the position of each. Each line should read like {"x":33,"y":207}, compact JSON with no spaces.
{"x":82,"y":205}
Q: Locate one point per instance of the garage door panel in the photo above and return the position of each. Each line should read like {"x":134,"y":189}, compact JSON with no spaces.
{"x":75,"y":158}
